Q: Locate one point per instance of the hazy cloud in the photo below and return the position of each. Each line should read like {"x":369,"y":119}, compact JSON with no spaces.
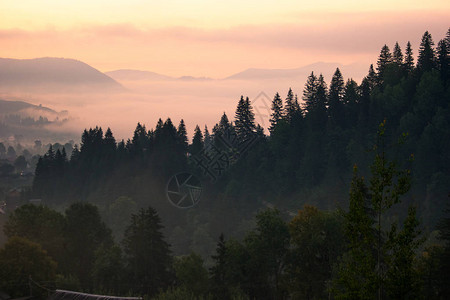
{"x":344,"y":37}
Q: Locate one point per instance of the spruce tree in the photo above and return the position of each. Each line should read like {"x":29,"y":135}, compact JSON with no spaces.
{"x":277,"y":112}
{"x":372,"y":76}
{"x":158,"y":130}
{"x":250,"y":115}
{"x":309,"y":93}
{"x":322,"y":92}
{"x":315,"y":98}
{"x":224,"y":123}
{"x":351,"y":100}
{"x":409,"y":59}
{"x":139,"y":143}
{"x":75,"y":154}
{"x":335,"y":98}
{"x":224,"y":127}
{"x":218,"y":271}
{"x":182,"y":137}
{"x":289,"y":107}
{"x":378,"y":261}
{"x":355,"y":274}
{"x":109,"y":142}
{"x":109,"y":138}
{"x":245,"y":119}
{"x":206,"y":137}
{"x":427,"y":57}
{"x":147,"y":253}
{"x":169,"y":132}
{"x":197,"y":141}
{"x":397,"y":55}
{"x":384,"y":59}
{"x":443,"y":60}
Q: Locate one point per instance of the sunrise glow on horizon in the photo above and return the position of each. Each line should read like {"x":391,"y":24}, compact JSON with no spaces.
{"x":213,"y":38}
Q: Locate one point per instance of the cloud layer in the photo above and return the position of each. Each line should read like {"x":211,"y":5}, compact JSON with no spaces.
{"x":343,"y":37}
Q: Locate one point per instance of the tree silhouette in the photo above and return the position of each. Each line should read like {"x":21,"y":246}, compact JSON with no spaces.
{"x":197,"y":141}
{"x":409,"y":58}
{"x":147,"y":253}
{"x":277,"y":111}
{"x":427,"y":57}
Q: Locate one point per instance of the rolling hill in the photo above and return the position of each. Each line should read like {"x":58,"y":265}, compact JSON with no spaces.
{"x":357,"y":71}
{"x":10,"y":107}
{"x":52,"y":75}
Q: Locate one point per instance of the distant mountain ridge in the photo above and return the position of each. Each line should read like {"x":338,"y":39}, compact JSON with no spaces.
{"x":11,"y":107}
{"x":327,"y":68}
{"x":130,"y":74}
{"x":52,"y":74}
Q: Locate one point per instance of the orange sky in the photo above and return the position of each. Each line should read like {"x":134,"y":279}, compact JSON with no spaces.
{"x":214,"y":38}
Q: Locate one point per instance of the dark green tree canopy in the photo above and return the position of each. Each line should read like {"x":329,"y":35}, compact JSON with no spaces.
{"x":147,"y":253}
{"x":427,"y":56}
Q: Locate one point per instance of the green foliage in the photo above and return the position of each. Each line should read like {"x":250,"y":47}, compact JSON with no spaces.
{"x":432,"y":272}
{"x":20,"y":260}
{"x":427,"y":58}
{"x":336,"y":99}
{"x":118,"y":215}
{"x":277,"y":112}
{"x":378,"y":262}
{"x":38,"y":224}
{"x":191,"y":274}
{"x":440,"y":285}
{"x":147,"y":254}
{"x":245,"y":119}
{"x":268,"y":247}
{"x":409,"y":58}
{"x":108,"y":272}
{"x":85,"y":233}
{"x":255,"y":267}
{"x":306,"y":159}
{"x":197,"y":141}
{"x":316,"y":243}
{"x":402,"y":279}
{"x":384,"y":59}
{"x":355,"y":276}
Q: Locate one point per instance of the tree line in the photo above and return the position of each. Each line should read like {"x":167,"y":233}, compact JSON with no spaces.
{"x":307,"y":158}
{"x":357,"y":253}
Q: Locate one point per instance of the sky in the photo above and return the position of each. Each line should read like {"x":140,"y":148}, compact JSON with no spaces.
{"x":204,"y":38}
{"x":214,"y":38}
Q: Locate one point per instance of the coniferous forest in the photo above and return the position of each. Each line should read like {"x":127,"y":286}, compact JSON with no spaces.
{"x":345,"y":197}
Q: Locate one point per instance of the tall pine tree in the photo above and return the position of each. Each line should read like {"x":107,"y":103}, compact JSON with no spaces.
{"x":244,"y":119}
{"x":384,"y":59}
{"x":197,"y":141}
{"x":427,"y":56}
{"x":409,"y":59}
{"x":147,"y":253}
{"x":397,"y":55}
{"x":335,"y":99}
{"x":443,"y":52}
{"x":277,"y":112}
{"x":182,"y":137}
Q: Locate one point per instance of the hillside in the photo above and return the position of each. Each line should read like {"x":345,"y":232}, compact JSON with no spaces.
{"x":128,"y":74}
{"x":137,"y":75}
{"x":356,"y":70}
{"x":8,"y":107}
{"x":52,"y":75}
